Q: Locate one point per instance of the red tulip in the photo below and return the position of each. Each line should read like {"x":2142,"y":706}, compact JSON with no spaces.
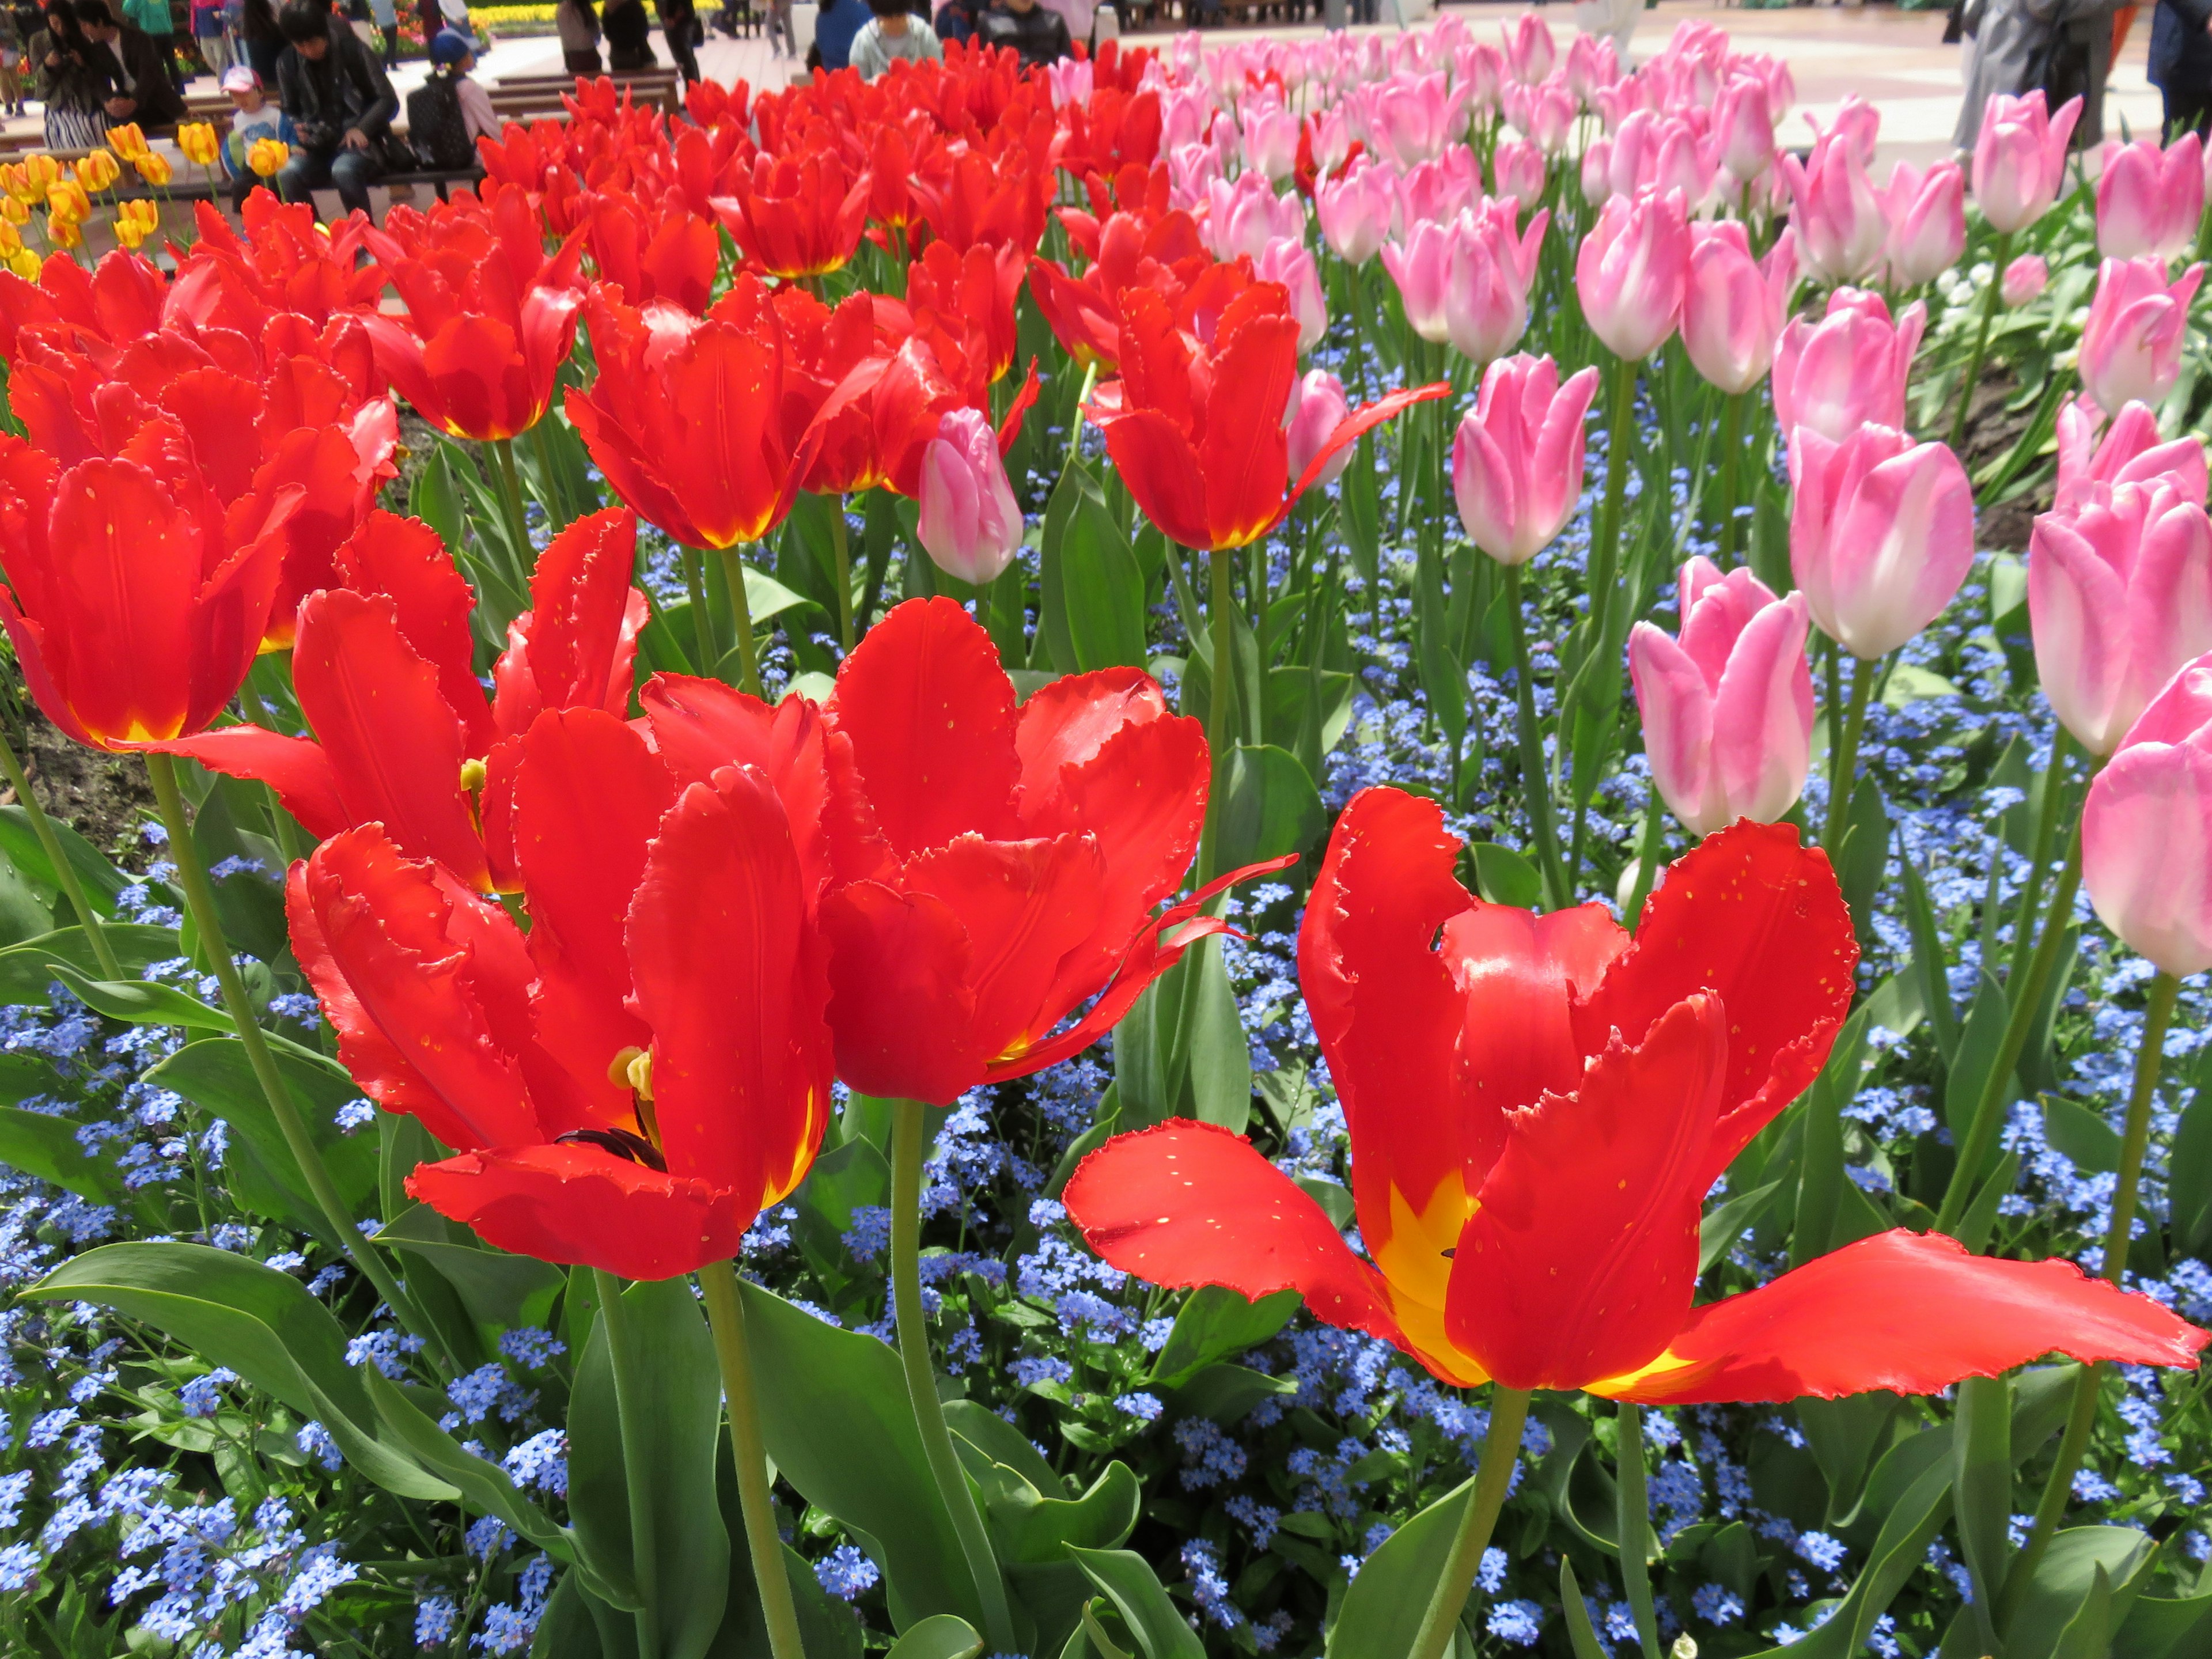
{"x":404,"y":736}
{"x":1132,"y":251}
{"x":489,"y":317}
{"x":1538,"y":1105}
{"x":631,"y":1083}
{"x":670,"y":255}
{"x":993,"y":867}
{"x":1195,"y":426}
{"x":117,"y":300}
{"x":971,"y":296}
{"x":795,"y":216}
{"x":286,"y":261}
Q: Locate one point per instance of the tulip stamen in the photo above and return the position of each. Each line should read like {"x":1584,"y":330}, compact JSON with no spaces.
{"x":473,"y":772}
{"x":620,"y":1142}
{"x":632,"y":1069}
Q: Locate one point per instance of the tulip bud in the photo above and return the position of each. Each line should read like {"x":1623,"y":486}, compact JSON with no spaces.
{"x":1289,"y":263}
{"x":1728,"y":709}
{"x":1518,"y":459}
{"x":2131,"y":344}
{"x":2147,"y":830}
{"x":1467,"y":281}
{"x":2129,"y":453}
{"x":1745,"y":128}
{"x":1882,"y":533}
{"x":1433,"y":191}
{"x":1355,"y":211}
{"x":1597,"y":171}
{"x":1317,"y":407}
{"x":1630,"y":271}
{"x":1245,"y":216}
{"x":1733,"y":308}
{"x":1927,"y":215}
{"x":1519,"y":169}
{"x":1849,"y":369}
{"x":1528,"y":49}
{"x":1270,"y":142}
{"x":2020,"y":158}
{"x":1839,"y":218}
{"x":2023,"y":282}
{"x":970,"y":524}
{"x":2149,"y":201}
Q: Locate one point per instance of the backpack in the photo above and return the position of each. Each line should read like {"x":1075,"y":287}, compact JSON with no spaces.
{"x":434,"y":127}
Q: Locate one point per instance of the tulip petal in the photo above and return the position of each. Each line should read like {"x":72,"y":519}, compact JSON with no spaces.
{"x":1750,"y":915}
{"x":1911,"y":1312}
{"x":297,"y":769}
{"x":572,"y":652}
{"x":1154,"y":458}
{"x":1762,"y":714}
{"x":405,"y":560}
{"x":1244,"y":454}
{"x":1677,"y":710}
{"x":900,"y":1001}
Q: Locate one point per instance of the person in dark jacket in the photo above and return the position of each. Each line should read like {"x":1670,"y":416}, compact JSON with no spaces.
{"x":679,"y":28}
{"x":2181,"y":63}
{"x":629,"y":31}
{"x":835,"y":26}
{"x":1039,"y":35}
{"x":956,"y":19}
{"x":339,"y":103}
{"x":139,"y":89}
{"x":263,"y":40}
{"x":68,"y":81}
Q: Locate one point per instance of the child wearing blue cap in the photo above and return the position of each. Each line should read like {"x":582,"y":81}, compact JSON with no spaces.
{"x":449,"y":113}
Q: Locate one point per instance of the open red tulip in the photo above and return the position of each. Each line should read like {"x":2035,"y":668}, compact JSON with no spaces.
{"x":631,"y":1082}
{"x":1538,"y":1106}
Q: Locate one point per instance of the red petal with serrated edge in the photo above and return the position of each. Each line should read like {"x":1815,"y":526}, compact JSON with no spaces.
{"x":579,"y":1205}
{"x":404,"y":560}
{"x":1581,"y":1258}
{"x":1010,"y":428}
{"x":730,"y":976}
{"x":1156,"y":460}
{"x":395,"y":744}
{"x":564,"y":652}
{"x":1911,"y":1312}
{"x":900,"y":1003}
{"x":374,"y":934}
{"x":1243,"y":455}
{"x":1187,"y":1204}
{"x":339,"y":486}
{"x":588,"y":798}
{"x":930,"y":715}
{"x":1518,"y":974}
{"x":297,"y":769}
{"x":700,"y":725}
{"x":1750,"y":914}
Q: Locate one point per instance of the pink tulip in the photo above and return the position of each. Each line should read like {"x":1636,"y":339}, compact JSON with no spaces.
{"x":1733,"y":307}
{"x":2020,"y":158}
{"x":2120,"y":598}
{"x":2023,"y":282}
{"x":1849,"y":369}
{"x":1317,"y":407}
{"x":1355,"y":210}
{"x":1468,"y":281}
{"x":1927,"y":215}
{"x":1839,"y":217}
{"x":1597,"y":171}
{"x":2147,"y":830}
{"x":1518,"y":459}
{"x":1519,"y":169}
{"x":1744,"y":128}
{"x":1728,"y":710}
{"x":1481,"y":70}
{"x":1630,"y":272}
{"x":1193,"y":172}
{"x":970,"y":524}
{"x":1591,"y":62}
{"x":1433,"y":191}
{"x":2129,"y":453}
{"x":1270,"y":141}
{"x":1413,"y":119}
{"x":1882,"y":533}
{"x":1528,"y":49}
{"x":1544,"y":114}
{"x":2131,"y":344}
{"x":2150,"y":201}
{"x":1857,"y":126}
{"x":1245,"y":216}
{"x":1287,"y":260}
{"x":1331,"y":138}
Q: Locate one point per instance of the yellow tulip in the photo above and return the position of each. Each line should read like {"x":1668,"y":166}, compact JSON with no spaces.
{"x":198,"y":141}
{"x":154,"y":168}
{"x":29,"y":179}
{"x":134,"y":222}
{"x":97,"y":171}
{"x":25,"y":264}
{"x":128,"y":140}
{"x":267,"y":157}
{"x":11,"y":242}
{"x":65,"y":231}
{"x":15,"y":210}
{"x":68,"y":200}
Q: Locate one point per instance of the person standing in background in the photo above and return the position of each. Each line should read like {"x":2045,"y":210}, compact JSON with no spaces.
{"x":890,"y":35}
{"x":263,"y":40}
{"x":140,"y":86}
{"x":11,"y":63}
{"x":629,"y":35}
{"x":2063,"y":47}
{"x":577,"y":22}
{"x":956,"y":19}
{"x":1039,"y":36}
{"x":212,"y":36}
{"x":680,"y":29}
{"x":835,"y":26}
{"x":2181,"y":63}
{"x":68,"y":85}
{"x":152,"y":18}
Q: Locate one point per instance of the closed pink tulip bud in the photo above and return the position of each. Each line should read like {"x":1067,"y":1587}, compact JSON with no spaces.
{"x":1468,"y":281}
{"x":1270,"y":141}
{"x":2131,"y":344}
{"x":1289,"y":262}
{"x":1433,"y":191}
{"x":1355,"y":210}
{"x":1858,"y":125}
{"x":2150,"y":201}
{"x":1518,"y":459}
{"x":1744,"y":128}
{"x":1849,"y":369}
{"x":1545,"y":114}
{"x":1528,"y":49}
{"x":2023,"y":282}
{"x":1245,"y":216}
{"x":2147,"y":830}
{"x":1519,"y":168}
{"x":1630,"y":272}
{"x":1413,"y":117}
{"x":1732,"y":308}
{"x":2130,"y":452}
{"x":1597,"y":171}
{"x":1317,"y":407}
{"x":1591,"y":62}
{"x":2020,"y":158}
{"x":1728,"y":708}
{"x":1482,"y":72}
{"x":2120,"y":595}
{"x":1927,"y":216}
{"x":970,"y":524}
{"x":1882,"y":533}
{"x":1837,"y":218}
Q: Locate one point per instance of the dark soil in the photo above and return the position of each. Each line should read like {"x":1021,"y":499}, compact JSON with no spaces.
{"x":103,"y":797}
{"x":1992,"y":429}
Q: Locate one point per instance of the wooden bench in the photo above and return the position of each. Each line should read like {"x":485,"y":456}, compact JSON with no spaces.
{"x":660,"y":85}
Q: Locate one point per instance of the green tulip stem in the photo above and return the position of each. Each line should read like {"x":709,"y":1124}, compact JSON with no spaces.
{"x":1731,"y":458}
{"x":1221,"y":698}
{"x":199,"y":901}
{"x":510,"y":501}
{"x":1844,"y":772}
{"x":694,"y":588}
{"x":2150,"y":1055}
{"x":1648,"y":848}
{"x":1633,"y":1527}
{"x":959,"y":1499}
{"x":103,"y":952}
{"x":637,"y":1481}
{"x":1981,"y":351}
{"x":1508,"y":1412}
{"x":2039,"y":858}
{"x":741,"y":617}
{"x":1605,"y":540}
{"x":725,"y":1313}
{"x":1536,"y":781}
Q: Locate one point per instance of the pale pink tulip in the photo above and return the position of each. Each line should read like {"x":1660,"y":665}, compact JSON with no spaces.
{"x":2129,"y":452}
{"x":1544,"y":114}
{"x":1070,"y":81}
{"x":1728,"y":710}
{"x":2150,"y":201}
{"x":1927,"y":215}
{"x":1194,"y":169}
{"x":1430,"y":192}
{"x":1413,"y":119}
{"x":2147,"y":830}
{"x":1882,"y":533}
{"x":1591,"y":62}
{"x":1744,"y":128}
{"x":1849,"y":369}
{"x":1468,"y":281}
{"x":1269,"y":142}
{"x":2020,"y":158}
{"x":1287,"y":260}
{"x":1630,"y":272}
{"x":1355,"y":210}
{"x":1519,"y":168}
{"x":1839,"y":217}
{"x":2131,"y":344}
{"x":2023,"y":282}
{"x":1858,"y":125}
{"x":1481,"y":70}
{"x":1733,"y":308}
{"x":1528,"y":49}
{"x":1597,"y":171}
{"x":970,"y":524}
{"x":2120,"y":595}
{"x":1331,"y":138}
{"x":1317,"y":407}
{"x":1244,"y":217}
{"x":1518,"y":459}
